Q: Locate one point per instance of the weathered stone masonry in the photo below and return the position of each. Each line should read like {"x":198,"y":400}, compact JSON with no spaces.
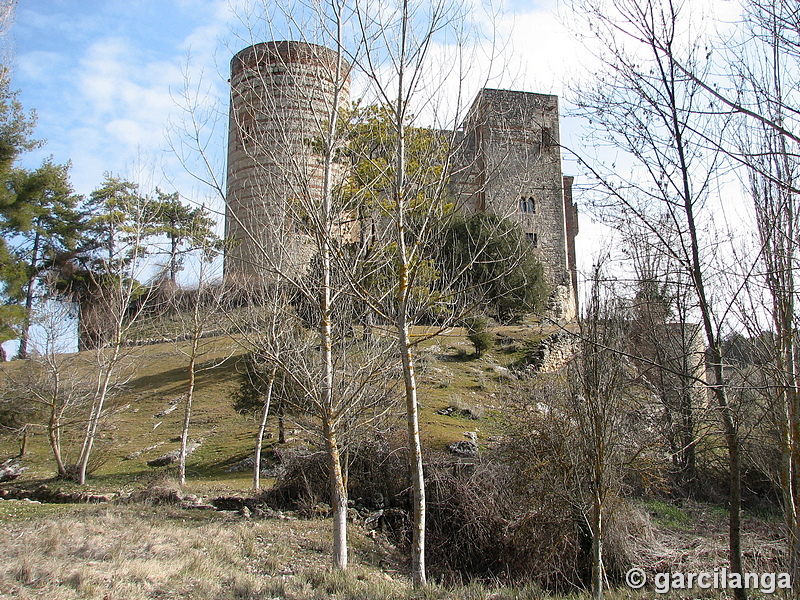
{"x":509,"y":163}
{"x":281,"y":93}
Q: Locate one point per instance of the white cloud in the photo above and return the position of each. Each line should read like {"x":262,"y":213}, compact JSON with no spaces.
{"x":37,"y":64}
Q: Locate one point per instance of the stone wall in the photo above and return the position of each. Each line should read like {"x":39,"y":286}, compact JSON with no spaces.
{"x":282,"y":94}
{"x":509,"y":163}
{"x":553,"y":353}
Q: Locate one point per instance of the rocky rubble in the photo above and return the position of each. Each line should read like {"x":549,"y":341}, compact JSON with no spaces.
{"x":10,"y":470}
{"x":464,"y":448}
{"x":172,"y":456}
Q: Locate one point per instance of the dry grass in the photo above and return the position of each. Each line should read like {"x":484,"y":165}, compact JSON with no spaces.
{"x":140,"y":552}
{"x":157,"y":376}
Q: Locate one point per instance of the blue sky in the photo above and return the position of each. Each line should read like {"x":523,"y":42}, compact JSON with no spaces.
{"x":103,"y":75}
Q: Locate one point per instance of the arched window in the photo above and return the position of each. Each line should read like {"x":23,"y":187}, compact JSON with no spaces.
{"x":527,"y":205}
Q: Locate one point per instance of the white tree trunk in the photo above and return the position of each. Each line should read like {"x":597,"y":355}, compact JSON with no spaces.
{"x":260,"y":436}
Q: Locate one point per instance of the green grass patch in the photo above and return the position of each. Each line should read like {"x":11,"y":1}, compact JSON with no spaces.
{"x":667,"y":515}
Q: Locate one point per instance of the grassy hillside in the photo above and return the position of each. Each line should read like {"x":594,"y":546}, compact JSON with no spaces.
{"x":154,"y":381}
{"x":143,"y":551}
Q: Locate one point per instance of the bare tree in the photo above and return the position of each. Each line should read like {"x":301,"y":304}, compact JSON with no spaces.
{"x":285,"y":217}
{"x":601,"y":404}
{"x":647,"y":106}
{"x":297,"y":222}
{"x":54,"y":386}
{"x":197,"y":318}
{"x":110,"y":280}
{"x":771,"y":158}
{"x":578,"y":434}
{"x":397,"y":52}
{"x":267,"y":336}
{"x":669,"y":350}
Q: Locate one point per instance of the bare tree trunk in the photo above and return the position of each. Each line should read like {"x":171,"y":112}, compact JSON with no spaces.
{"x":187,"y":413}
{"x":54,"y":437}
{"x":338,"y":499}
{"x":325,"y":240}
{"x":418,"y":577}
{"x":23,"y":446}
{"x":197,"y":326}
{"x":281,"y":423}
{"x":773,"y":182}
{"x":97,"y":411}
{"x":719,"y":387}
{"x":415,"y":448}
{"x":260,"y":436}
{"x":598,"y":572}
{"x":54,"y":422}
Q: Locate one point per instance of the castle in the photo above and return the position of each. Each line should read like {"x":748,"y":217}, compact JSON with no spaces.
{"x":508,"y":163}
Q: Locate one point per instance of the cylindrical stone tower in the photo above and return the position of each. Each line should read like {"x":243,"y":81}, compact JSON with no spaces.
{"x":282,"y":97}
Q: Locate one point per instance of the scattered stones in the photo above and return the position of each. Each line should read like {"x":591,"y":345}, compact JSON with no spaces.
{"x":464,"y":449}
{"x":247,"y":508}
{"x":271,"y":465}
{"x":453,"y":411}
{"x":389,"y":519}
{"x":10,"y":470}
{"x":321,"y":510}
{"x":246,"y":464}
{"x":166,"y":411}
{"x":172,"y":457}
{"x":192,"y":502}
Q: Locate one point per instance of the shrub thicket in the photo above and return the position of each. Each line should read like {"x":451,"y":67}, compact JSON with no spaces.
{"x":482,"y":522}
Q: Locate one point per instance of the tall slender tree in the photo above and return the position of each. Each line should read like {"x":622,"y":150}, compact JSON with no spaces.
{"x":645,"y":104}
{"x":106,"y":288}
{"x":766,"y":81}
{"x":413,"y":171}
